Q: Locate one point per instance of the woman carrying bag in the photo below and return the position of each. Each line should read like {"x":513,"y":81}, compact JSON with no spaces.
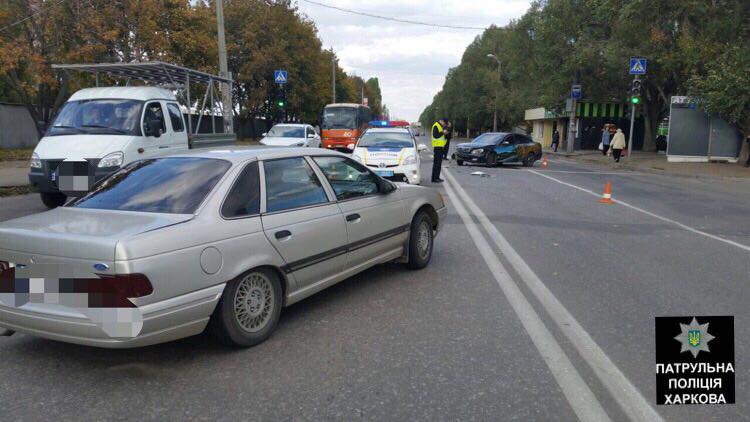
{"x":617,"y":145}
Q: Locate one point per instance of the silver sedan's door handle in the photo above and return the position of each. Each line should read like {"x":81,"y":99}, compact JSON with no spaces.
{"x":283,"y":234}
{"x":353,"y":217}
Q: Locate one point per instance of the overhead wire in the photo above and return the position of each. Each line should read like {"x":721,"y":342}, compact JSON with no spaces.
{"x":390,"y":18}
{"x":20,"y":21}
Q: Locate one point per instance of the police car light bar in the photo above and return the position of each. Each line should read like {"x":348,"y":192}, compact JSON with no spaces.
{"x":386,"y":123}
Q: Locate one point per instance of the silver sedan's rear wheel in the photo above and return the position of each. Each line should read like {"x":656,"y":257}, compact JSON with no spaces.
{"x":249,"y":309}
{"x":253,"y":302}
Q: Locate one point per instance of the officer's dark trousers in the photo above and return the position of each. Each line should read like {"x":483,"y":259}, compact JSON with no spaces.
{"x":437,"y":162}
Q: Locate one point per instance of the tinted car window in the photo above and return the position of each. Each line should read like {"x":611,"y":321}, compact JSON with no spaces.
{"x":176,"y":116}
{"x":348,"y":178}
{"x":291,"y":183}
{"x":175,"y":185}
{"x":155,"y":112}
{"x":244,"y":198}
{"x":487,"y":139}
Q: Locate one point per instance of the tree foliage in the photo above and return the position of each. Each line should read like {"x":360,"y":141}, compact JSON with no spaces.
{"x":261,"y":35}
{"x":555,"y":40}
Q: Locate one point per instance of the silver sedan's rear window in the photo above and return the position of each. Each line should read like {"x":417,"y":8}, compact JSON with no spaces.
{"x":175,"y":185}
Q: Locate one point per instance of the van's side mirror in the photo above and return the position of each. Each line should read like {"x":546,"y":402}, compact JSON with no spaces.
{"x":421,"y":147}
{"x":153,"y":128}
{"x":264,"y":134}
{"x":310,"y":135}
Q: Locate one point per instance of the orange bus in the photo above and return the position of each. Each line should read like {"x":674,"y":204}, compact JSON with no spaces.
{"x":342,"y":124}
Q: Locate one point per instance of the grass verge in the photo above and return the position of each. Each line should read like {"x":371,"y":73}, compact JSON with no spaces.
{"x":15,"y":154}
{"x":15,"y":190}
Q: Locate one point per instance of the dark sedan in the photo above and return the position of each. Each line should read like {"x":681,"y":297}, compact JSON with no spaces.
{"x":499,"y":148}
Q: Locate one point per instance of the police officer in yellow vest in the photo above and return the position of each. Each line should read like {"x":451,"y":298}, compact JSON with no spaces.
{"x":438,"y":145}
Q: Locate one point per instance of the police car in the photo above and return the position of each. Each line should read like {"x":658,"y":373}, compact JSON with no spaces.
{"x":391,"y":152}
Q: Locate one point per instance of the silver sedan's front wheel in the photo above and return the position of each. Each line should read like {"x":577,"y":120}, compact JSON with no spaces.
{"x":420,"y":240}
{"x":249,"y":309}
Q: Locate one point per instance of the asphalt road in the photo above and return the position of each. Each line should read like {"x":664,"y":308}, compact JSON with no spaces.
{"x":539,"y":304}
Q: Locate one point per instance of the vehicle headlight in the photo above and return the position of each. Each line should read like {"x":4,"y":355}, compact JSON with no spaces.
{"x":112,"y":160}
{"x":411,"y":159}
{"x":477,"y":151}
{"x":35,"y":162}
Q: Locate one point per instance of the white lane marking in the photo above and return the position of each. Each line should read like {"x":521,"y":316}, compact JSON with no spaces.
{"x":623,"y":391}
{"x":611,"y":173}
{"x":576,"y":391}
{"x":649,"y":213}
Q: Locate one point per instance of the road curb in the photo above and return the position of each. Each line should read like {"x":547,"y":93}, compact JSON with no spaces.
{"x":649,"y":170}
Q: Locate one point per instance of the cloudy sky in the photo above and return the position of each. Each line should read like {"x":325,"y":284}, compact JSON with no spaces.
{"x":411,"y":61}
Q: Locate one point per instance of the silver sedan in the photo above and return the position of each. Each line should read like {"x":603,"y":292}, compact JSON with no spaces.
{"x":168,"y":247}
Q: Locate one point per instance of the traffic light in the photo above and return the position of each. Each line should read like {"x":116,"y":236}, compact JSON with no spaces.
{"x":635,"y":91}
{"x":281,"y":97}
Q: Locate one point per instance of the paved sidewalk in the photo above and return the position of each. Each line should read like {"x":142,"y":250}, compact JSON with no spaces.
{"x":651,"y":162}
{"x":14,"y":173}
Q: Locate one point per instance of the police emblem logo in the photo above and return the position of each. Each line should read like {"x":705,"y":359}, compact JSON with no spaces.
{"x":694,"y":338}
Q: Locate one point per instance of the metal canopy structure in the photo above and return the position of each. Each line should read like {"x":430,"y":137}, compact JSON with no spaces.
{"x":156,"y":72}
{"x":161,"y":73}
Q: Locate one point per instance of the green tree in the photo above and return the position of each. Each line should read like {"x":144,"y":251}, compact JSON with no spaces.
{"x":727,"y":94}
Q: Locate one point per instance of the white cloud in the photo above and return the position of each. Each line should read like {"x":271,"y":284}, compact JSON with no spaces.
{"x":411,"y":61}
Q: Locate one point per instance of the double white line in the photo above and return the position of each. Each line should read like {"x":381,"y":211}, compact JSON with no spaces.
{"x":583,"y":401}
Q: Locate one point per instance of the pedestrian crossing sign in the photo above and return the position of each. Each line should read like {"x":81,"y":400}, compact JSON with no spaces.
{"x":279,"y":76}
{"x":637,"y":66}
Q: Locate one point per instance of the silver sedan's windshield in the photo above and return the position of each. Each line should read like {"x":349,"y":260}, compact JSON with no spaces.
{"x":115,"y":117}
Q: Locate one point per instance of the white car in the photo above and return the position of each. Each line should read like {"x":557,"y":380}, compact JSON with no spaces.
{"x":291,"y":135}
{"x":392,"y":153}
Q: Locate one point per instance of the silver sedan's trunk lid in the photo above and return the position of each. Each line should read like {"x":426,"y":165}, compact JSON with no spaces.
{"x":78,"y":233}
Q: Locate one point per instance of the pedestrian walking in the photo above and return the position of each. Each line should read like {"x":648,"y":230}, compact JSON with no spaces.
{"x":605,"y":139}
{"x":448,"y":136}
{"x":555,"y":139}
{"x":438,"y":145}
{"x":618,"y":144}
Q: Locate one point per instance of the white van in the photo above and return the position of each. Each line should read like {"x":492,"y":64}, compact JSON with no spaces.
{"x":104,"y":129}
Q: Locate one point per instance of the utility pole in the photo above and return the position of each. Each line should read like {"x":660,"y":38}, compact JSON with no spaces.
{"x":362,"y":101}
{"x":497,"y":91}
{"x":226,"y":93}
{"x":333,"y":75}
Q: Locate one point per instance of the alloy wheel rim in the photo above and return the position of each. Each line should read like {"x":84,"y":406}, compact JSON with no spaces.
{"x":423,"y":240}
{"x":253,"y":302}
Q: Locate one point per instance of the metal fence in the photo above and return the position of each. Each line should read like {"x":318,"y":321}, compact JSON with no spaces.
{"x":17,"y":127}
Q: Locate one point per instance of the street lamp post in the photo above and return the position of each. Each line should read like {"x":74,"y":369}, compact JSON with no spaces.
{"x":497,"y":92}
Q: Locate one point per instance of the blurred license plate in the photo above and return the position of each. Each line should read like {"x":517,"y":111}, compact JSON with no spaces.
{"x":384,"y":173}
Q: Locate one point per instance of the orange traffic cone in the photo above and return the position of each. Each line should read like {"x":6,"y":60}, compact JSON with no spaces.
{"x":544,"y":163}
{"x":607,"y":195}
